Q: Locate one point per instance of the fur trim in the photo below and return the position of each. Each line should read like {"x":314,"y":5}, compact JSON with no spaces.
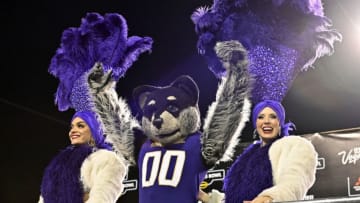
{"x":102,"y":174}
{"x":227,"y":115}
{"x":252,"y":172}
{"x":235,"y":139}
{"x":61,"y":182}
{"x":293,"y":160}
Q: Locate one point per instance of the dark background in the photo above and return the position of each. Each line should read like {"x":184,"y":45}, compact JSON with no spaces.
{"x":33,"y":130}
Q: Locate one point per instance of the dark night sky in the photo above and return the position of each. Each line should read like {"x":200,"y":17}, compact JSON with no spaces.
{"x":321,"y":99}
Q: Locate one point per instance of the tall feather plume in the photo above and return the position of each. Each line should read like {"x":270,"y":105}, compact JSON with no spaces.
{"x":136,"y":45}
{"x":101,"y":39}
{"x":199,"y":13}
{"x":283,"y":38}
{"x":100,"y":44}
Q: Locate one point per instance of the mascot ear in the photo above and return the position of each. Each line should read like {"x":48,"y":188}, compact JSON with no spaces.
{"x":188,"y":85}
{"x":141,"y":93}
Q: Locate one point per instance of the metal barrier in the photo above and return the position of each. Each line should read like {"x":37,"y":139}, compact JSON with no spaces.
{"x":331,"y":200}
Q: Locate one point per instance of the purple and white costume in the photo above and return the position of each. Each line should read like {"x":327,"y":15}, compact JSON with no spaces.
{"x":83,"y":172}
{"x":171,"y":172}
{"x":282,"y":39}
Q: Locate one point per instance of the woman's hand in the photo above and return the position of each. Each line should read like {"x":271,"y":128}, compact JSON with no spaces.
{"x":203,"y":196}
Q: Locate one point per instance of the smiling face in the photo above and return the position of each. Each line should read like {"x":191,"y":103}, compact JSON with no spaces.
{"x":80,"y":132}
{"x":267,"y":125}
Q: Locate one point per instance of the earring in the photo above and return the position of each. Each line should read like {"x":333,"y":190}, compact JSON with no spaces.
{"x":91,"y":142}
{"x":279,"y":134}
{"x":255,"y":135}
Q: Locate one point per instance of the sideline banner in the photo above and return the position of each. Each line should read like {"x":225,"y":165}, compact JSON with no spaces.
{"x":338,"y":169}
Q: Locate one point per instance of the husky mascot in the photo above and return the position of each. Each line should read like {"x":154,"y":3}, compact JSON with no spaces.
{"x":175,"y":156}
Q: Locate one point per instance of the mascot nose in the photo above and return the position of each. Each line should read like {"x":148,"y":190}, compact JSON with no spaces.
{"x":157,"y":122}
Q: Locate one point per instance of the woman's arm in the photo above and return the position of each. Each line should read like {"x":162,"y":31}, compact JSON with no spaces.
{"x":293,"y":161}
{"x":213,"y":197}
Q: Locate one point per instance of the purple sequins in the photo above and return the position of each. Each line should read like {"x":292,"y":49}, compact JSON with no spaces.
{"x":273,"y":71}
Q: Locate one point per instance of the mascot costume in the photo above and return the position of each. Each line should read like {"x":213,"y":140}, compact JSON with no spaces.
{"x":173,"y":160}
{"x":282,"y":38}
{"x":74,"y":172}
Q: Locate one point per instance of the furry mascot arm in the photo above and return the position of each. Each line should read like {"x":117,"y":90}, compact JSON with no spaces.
{"x":227,"y":116}
{"x":113,"y":111}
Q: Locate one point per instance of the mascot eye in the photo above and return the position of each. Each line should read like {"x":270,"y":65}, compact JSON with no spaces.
{"x":172,"y":108}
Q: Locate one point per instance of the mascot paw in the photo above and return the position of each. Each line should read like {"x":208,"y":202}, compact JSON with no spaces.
{"x":98,"y":79}
{"x":232,"y":54}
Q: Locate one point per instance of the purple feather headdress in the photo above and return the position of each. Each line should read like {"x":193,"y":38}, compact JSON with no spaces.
{"x":283,"y":38}
{"x":99,"y":39}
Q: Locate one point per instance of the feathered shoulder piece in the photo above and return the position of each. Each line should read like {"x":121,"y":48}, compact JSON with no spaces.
{"x":99,"y":39}
{"x":283,"y":38}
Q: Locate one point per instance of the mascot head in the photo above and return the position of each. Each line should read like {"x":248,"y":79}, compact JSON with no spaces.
{"x":170,"y":113}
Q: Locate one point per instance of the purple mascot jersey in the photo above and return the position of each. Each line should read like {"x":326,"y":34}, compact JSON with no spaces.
{"x":168,"y":170}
